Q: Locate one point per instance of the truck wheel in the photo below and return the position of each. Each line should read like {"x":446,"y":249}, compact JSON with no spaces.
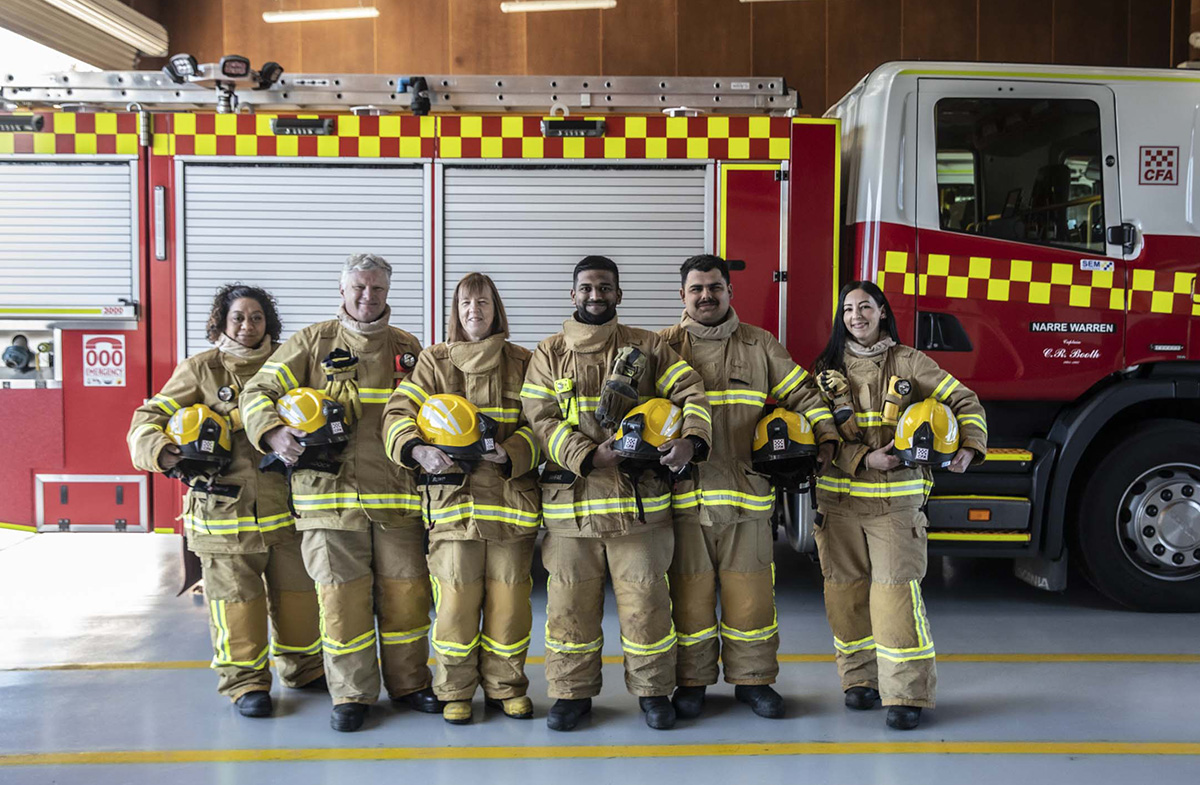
{"x":1138,"y":530}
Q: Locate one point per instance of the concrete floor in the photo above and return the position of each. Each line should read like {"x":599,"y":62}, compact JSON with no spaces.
{"x":103,"y":679}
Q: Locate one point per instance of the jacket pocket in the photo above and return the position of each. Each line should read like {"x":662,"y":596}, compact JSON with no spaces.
{"x":558,"y":499}
{"x":317,"y":494}
{"x":216,"y":514}
{"x":445,"y":503}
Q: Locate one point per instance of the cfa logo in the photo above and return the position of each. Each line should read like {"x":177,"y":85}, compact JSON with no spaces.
{"x":1158,"y":165}
{"x":922,"y":453}
{"x":779,"y":445}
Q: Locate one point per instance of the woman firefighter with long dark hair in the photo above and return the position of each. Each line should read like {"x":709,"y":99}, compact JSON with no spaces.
{"x":236,"y":518}
{"x":899,"y":414}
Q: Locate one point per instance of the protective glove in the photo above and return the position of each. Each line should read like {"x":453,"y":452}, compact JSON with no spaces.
{"x":620,"y":392}
{"x":341,"y":372}
{"x":835,"y":389}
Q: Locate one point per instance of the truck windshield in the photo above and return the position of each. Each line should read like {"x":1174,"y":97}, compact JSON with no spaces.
{"x":1021,"y":169}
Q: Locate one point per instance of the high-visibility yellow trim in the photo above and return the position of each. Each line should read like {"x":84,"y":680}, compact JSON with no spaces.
{"x":563,"y":647}
{"x":790,"y":382}
{"x":537,"y":392}
{"x":605,"y":506}
{"x":374,"y":394}
{"x":947,"y":386}
{"x":505,"y":649}
{"x":20,"y":527}
{"x":670,"y":376}
{"x":166,"y":403}
{"x":287,"y":379}
{"x":557,"y":437}
{"x":526,"y":433}
{"x":970,"y":497}
{"x":404,"y":636}
{"x":761,"y":634}
{"x":1007,"y":454}
{"x":815,"y":415}
{"x":980,"y":536}
{"x":485,"y":512}
{"x":240,"y":525}
{"x":364,"y":641}
{"x":393,"y":432}
{"x":973,"y":419}
{"x":850,"y":647}
{"x":869,"y":419}
{"x":724,"y":498}
{"x":260,"y":402}
{"x":697,"y":411}
{"x":730,"y":397}
{"x":874,"y":490}
{"x":278,"y":648}
{"x":452,"y":649}
{"x":691,"y":639}
{"x":414,"y":393}
{"x":501,"y":414}
{"x":648,"y":649}
{"x":351,"y":500}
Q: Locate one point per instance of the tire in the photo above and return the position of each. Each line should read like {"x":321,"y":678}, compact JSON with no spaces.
{"x":1137,"y":534}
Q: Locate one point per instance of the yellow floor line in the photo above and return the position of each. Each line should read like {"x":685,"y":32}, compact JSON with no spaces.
{"x":616,"y":660}
{"x":604,"y":751}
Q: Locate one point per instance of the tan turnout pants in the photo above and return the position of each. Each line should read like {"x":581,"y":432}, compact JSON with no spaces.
{"x":738,"y":556}
{"x":470,"y":578}
{"x":361,"y":574}
{"x":243,"y":590}
{"x":873,"y":568}
{"x":638,"y":565}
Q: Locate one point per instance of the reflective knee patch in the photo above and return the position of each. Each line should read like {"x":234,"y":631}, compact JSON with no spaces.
{"x":507,"y":618}
{"x":901,"y":622}
{"x":239,"y":633}
{"x":748,"y":605}
{"x":455,"y":632}
{"x":297,"y":623}
{"x":403,"y":609}
{"x":347,"y":616}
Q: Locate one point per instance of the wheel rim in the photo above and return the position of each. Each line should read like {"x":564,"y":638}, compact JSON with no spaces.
{"x":1158,"y":522}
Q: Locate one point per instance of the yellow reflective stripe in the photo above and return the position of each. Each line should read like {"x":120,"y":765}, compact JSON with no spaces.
{"x":862,"y":644}
{"x":698,"y":411}
{"x":816,"y":415}
{"x":729,"y":397}
{"x":761,"y":634}
{"x":869,"y":419}
{"x":905,"y":655}
{"x":746,"y":501}
{"x":278,"y":648}
{"x":287,"y":379}
{"x":974,"y":419}
{"x":505,"y":650}
{"x":535,"y":391}
{"x":601,"y":506}
{"x":415,"y":393}
{"x":374,"y":394}
{"x":658,"y":647}
{"x":920,"y":621}
{"x":682,"y":501}
{"x":390,"y":501}
{"x":404,"y":636}
{"x":563,"y":647}
{"x":486,"y":512}
{"x":946,"y":387}
{"x":671,"y":375}
{"x":216,"y":612}
{"x":697,"y":637}
{"x":393,"y":432}
{"x":260,"y":402}
{"x":589,"y":403}
{"x":166,"y":403}
{"x":790,"y":382}
{"x":256,"y":664}
{"x":557,"y":437}
{"x":450,"y":648}
{"x":874,"y":490}
{"x":526,"y":433}
{"x":500,"y":414}
{"x":364,"y":641}
{"x":148,"y":426}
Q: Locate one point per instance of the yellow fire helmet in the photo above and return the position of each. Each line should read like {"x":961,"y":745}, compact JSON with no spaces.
{"x":456,"y":427}
{"x":203,"y":438}
{"x":315,"y":412}
{"x":784,"y":447}
{"x":927,"y":434}
{"x":648,"y":427}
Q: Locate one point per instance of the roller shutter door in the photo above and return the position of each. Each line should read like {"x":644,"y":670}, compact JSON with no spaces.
{"x":289,"y":229}
{"x":67,"y":244}
{"x":527,"y":227}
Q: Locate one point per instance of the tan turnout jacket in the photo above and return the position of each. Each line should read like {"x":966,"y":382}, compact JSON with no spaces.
{"x":847,"y":485}
{"x":368,"y":487}
{"x":492,"y":502}
{"x":249,"y":519}
{"x":742,"y":367}
{"x":602,"y":503}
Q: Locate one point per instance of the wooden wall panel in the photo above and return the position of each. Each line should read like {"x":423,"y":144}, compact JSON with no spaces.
{"x":714,"y":38}
{"x":344,"y":45}
{"x":412,"y":37}
{"x":1015,"y":31}
{"x":563,"y":43}
{"x":195,"y":28}
{"x":485,"y":41}
{"x":638,"y":39}
{"x":247,"y":34}
{"x":862,"y":34}
{"x":939,"y":30}
{"x":1091,"y":32}
{"x":1150,"y":33}
{"x":789,"y":41}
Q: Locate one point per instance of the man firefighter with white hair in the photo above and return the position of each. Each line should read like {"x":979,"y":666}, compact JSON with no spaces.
{"x":316,"y":406}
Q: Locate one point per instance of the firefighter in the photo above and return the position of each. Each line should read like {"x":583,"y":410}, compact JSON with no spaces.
{"x":872,"y":535}
{"x":601,"y":516}
{"x":236,"y":519}
{"x":481,"y":499}
{"x":360,"y":516}
{"x":723,"y":513}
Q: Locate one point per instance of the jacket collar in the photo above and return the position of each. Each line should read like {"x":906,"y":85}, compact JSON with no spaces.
{"x":588,"y":338}
{"x":478,"y":356}
{"x":717,"y":332}
{"x":235,"y":356}
{"x":358,"y":335}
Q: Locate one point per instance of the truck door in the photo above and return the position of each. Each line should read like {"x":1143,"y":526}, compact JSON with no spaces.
{"x":750,"y":199}
{"x":1019,"y":293}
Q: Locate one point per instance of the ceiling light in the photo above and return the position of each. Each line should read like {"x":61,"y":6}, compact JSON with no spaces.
{"x":765,"y":1}
{"x":555,"y":5}
{"x":321,"y":14}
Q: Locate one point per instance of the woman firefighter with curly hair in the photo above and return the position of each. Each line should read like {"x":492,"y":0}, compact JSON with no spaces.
{"x":236,"y":518}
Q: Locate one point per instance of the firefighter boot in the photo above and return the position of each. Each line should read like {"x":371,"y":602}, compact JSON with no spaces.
{"x":688,"y":701}
{"x":566,"y":713}
{"x":348,"y":717}
{"x":861,"y":698}
{"x":519,"y":708}
{"x":903,"y":717}
{"x":457,"y":712}
{"x":660,"y":714}
{"x":422,"y":700}
{"x":256,"y":703}
{"x":761,"y":698}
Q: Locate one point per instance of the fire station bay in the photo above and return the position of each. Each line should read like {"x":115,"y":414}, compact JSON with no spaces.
{"x":599,"y":391}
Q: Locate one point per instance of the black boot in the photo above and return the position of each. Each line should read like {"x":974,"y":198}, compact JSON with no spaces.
{"x":903,"y":717}
{"x":660,"y":714}
{"x":762,"y":699}
{"x":422,"y":700}
{"x":254,"y":704}
{"x":566,"y":713}
{"x":688,"y":701}
{"x":861,"y":698}
{"x":348,"y":717}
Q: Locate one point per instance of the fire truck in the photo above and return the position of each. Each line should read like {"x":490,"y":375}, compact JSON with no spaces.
{"x":1031,"y":226}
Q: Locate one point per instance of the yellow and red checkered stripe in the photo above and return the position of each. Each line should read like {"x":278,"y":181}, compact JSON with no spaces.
{"x":657,"y":137}
{"x":383,"y":136}
{"x":1038,"y":283}
{"x":69,"y":133}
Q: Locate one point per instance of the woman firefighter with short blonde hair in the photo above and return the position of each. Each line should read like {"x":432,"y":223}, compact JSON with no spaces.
{"x":480,"y":496}
{"x":872,"y":534}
